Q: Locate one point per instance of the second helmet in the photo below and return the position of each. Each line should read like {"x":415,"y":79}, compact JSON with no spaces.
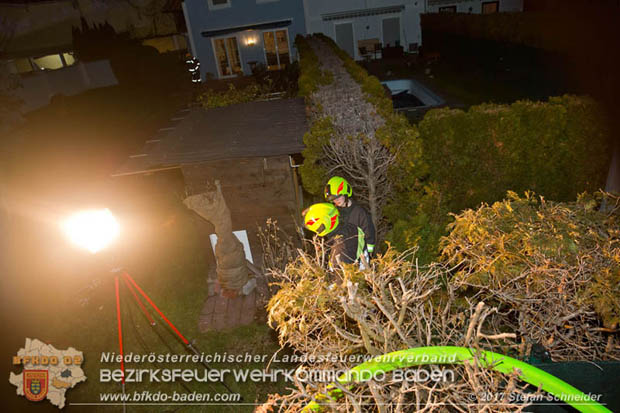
{"x":336,"y":187}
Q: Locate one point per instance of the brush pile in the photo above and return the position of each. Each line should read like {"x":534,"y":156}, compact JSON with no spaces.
{"x":549,"y":274}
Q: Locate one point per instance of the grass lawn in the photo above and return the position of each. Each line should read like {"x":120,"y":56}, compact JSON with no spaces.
{"x":61,"y":161}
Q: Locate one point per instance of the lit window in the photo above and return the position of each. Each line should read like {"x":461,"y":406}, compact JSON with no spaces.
{"x":227,"y":56}
{"x":276,"y":49}
{"x":69,"y":59}
{"x":49,"y":62}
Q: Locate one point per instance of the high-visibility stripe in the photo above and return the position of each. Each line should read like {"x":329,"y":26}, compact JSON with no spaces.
{"x":361,"y":243}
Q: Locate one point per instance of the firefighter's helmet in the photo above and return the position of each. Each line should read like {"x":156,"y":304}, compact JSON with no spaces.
{"x":336,"y":187}
{"x":321,"y":218}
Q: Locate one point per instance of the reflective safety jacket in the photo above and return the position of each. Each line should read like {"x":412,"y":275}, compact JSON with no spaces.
{"x":347,"y":244}
{"x":358,"y":216}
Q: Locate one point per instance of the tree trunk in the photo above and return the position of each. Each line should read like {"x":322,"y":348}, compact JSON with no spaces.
{"x":231,"y":269}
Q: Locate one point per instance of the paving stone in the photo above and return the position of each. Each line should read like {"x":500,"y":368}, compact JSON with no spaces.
{"x":221,"y":313}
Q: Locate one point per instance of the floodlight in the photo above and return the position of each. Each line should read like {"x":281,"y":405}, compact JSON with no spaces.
{"x":92,"y":229}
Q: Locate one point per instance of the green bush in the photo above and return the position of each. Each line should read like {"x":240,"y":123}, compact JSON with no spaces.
{"x":313,"y":173}
{"x":557,"y":149}
{"x":214,"y":99}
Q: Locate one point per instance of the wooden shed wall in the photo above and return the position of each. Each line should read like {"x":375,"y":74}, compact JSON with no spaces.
{"x":255,"y":189}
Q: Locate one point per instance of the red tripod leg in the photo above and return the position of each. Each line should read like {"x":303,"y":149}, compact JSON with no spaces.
{"x":146,"y":297}
{"x":120,"y":329}
{"x":185,"y":341}
{"x":135,"y":296}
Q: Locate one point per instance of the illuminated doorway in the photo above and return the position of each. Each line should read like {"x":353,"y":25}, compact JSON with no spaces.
{"x":277,"y":52}
{"x":227,"y":56}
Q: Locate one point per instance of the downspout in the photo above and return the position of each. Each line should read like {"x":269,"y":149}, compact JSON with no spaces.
{"x":190,"y":33}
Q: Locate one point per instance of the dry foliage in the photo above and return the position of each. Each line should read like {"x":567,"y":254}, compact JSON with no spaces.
{"x":278,"y":247}
{"x":549,"y":272}
{"x":552,"y":269}
{"x":392,"y":306}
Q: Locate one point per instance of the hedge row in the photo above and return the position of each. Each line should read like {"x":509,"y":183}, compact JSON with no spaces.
{"x":557,"y":149}
{"x":456,"y":160}
{"x":311,"y":75}
{"x":397,"y":130}
{"x":406,"y":211}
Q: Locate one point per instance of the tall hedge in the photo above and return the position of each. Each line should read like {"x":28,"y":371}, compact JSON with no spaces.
{"x":557,"y":148}
{"x":408,"y":194}
{"x":311,"y":75}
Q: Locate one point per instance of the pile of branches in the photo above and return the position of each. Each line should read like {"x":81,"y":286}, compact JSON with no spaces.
{"x":548,"y":272}
{"x":552,"y":270}
{"x":394,"y":305}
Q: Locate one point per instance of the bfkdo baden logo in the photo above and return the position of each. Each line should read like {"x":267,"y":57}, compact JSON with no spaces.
{"x":47,"y":372}
{"x":35,"y":384}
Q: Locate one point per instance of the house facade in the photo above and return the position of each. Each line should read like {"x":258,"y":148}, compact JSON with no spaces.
{"x":474,"y":6}
{"x":365,"y":27}
{"x":362,"y":27}
{"x":230,"y":37}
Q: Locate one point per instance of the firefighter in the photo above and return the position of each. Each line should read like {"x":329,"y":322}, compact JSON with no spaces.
{"x":345,"y":240}
{"x":339,"y":192}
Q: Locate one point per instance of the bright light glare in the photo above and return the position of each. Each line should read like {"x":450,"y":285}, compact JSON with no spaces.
{"x":93,"y":229}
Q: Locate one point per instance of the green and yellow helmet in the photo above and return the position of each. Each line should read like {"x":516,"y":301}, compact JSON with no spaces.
{"x":336,"y":187}
{"x":321,"y":218}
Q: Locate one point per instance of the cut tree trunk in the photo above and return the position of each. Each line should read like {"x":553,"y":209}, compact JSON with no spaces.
{"x":231,"y":269}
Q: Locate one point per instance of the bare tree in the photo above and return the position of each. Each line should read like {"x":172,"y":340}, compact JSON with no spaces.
{"x":354,"y":152}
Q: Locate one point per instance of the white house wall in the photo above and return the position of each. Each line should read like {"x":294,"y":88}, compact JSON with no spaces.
{"x":365,"y":27}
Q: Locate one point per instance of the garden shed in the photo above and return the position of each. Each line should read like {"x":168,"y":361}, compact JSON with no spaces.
{"x":247,"y":147}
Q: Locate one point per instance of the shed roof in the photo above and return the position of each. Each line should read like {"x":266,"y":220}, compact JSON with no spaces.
{"x":254,"y":129}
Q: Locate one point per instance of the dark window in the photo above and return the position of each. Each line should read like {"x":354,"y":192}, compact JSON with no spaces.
{"x":447,"y":9}
{"x":490,"y":7}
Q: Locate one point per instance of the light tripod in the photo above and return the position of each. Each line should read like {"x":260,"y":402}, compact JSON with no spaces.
{"x":132,"y":286}
{"x":94,"y":230}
